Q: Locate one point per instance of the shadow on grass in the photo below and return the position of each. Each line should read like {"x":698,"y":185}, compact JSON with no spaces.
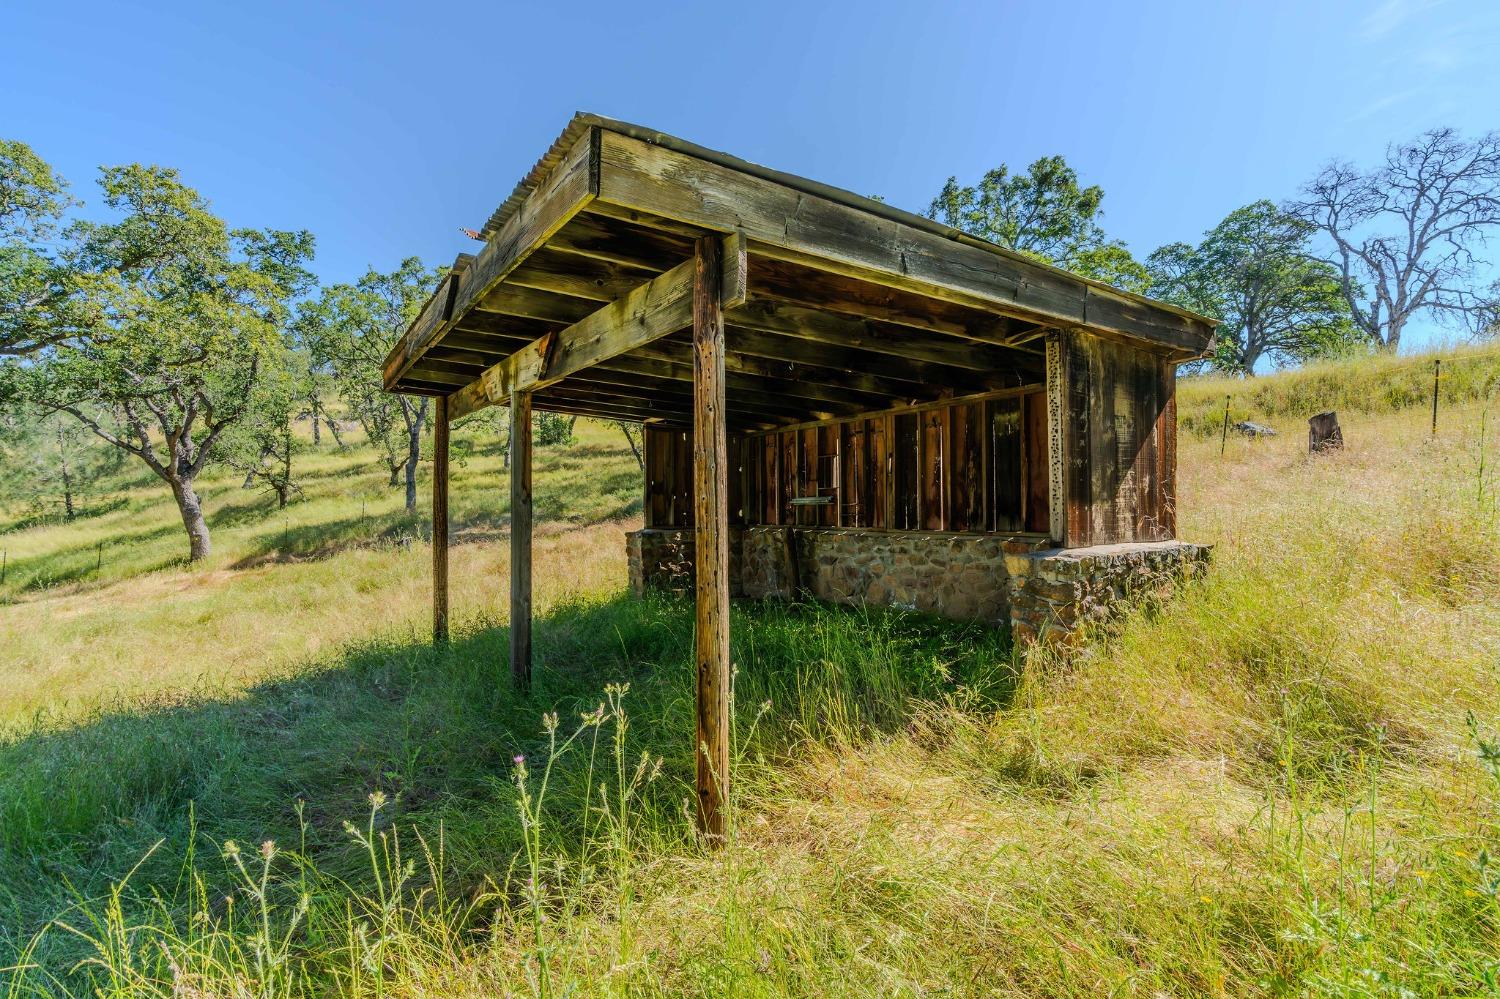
{"x":436,"y":731}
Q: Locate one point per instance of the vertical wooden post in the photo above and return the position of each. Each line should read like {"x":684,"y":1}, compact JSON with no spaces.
{"x":440,"y":523}
{"x":711,"y":539}
{"x":520,"y":539}
{"x":1437,"y":376}
{"x":1057,"y":441}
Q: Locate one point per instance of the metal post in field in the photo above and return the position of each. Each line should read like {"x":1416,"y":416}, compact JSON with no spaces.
{"x":99,"y":561}
{"x":1437,"y":374}
{"x":1224,"y":436}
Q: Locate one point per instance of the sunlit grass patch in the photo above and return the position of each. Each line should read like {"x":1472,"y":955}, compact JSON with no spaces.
{"x":1284,"y":781}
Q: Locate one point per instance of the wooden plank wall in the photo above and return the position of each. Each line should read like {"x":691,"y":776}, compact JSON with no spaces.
{"x":1121,"y":430}
{"x":976,"y":466}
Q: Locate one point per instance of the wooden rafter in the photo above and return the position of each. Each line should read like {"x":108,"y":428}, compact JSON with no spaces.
{"x":653,"y":310}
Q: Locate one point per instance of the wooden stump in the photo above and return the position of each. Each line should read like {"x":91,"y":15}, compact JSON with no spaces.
{"x":1323,"y":433}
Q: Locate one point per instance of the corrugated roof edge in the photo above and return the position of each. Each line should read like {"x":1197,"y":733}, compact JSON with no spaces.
{"x":584,"y":120}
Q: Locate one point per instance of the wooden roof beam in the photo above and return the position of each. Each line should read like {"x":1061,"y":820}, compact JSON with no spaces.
{"x":658,"y":308}
{"x":794,"y":225}
{"x":573,"y":183}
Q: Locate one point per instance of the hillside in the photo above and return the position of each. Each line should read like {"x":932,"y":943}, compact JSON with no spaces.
{"x":1284,"y":782}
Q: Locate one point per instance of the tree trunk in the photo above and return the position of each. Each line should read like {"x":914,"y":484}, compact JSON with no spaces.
{"x":1392,"y":344}
{"x":317,"y":416}
{"x":630,"y":439}
{"x":414,"y":455}
{"x":333,"y":428}
{"x":1249,"y":360}
{"x":191,"y":509}
{"x":396,"y":474}
{"x":67,"y":475}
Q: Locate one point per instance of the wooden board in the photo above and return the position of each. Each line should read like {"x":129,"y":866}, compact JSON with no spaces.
{"x":572,"y":184}
{"x":880,"y":471}
{"x":520,"y":540}
{"x":1007,"y":465}
{"x":1119,"y":483}
{"x":966,"y":469}
{"x":793,"y":225}
{"x":1035,"y":478}
{"x":439,"y":523}
{"x":906,"y":477}
{"x":711,"y":543}
{"x":932,"y":491}
{"x":659,"y":307}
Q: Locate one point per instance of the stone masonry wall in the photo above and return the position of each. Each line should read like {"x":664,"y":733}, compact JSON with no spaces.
{"x":960,"y":576}
{"x":662,"y":559}
{"x":1043,"y":593}
{"x":1055,"y":592}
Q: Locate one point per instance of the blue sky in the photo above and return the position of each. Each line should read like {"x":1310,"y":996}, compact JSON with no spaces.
{"x":384,"y":127}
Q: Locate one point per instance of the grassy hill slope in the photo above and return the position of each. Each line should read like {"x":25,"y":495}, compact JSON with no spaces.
{"x":1268,"y":786}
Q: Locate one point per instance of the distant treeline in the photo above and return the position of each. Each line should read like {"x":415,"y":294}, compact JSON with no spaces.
{"x":163,"y":334}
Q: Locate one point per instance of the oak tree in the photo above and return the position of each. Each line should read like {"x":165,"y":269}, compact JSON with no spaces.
{"x":1045,"y":214}
{"x":1254,"y":272}
{"x":351,"y":328}
{"x":186,"y":318}
{"x":1405,"y":235}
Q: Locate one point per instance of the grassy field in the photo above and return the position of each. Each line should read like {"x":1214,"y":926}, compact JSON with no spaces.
{"x":256,"y":778}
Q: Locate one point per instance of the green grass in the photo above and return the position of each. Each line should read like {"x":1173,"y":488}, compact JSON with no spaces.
{"x":1270,"y":785}
{"x":1366,"y":386}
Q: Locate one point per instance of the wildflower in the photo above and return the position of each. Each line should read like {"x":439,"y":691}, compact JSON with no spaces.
{"x":268,"y":849}
{"x":377,"y":799}
{"x":231,"y":848}
{"x":1205,"y":900}
{"x":549,"y":722}
{"x":518,"y":759}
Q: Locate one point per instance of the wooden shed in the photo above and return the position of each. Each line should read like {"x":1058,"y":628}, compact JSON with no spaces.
{"x":839,"y":397}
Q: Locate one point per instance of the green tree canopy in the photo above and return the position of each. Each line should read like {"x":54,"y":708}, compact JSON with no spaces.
{"x":350,"y":329}
{"x":187,"y":319}
{"x":1254,"y":273}
{"x":38,"y":300}
{"x":1045,"y":214}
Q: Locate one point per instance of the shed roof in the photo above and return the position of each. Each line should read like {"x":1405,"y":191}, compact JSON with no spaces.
{"x":836,"y":302}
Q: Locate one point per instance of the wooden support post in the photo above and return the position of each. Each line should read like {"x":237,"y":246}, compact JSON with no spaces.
{"x":520,"y":539}
{"x":711,"y":539}
{"x":1057,"y":442}
{"x":440,"y":523}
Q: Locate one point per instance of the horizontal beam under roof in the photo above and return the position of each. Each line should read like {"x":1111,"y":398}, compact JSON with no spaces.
{"x":841,"y":291}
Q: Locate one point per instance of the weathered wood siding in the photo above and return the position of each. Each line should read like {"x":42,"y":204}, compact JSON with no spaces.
{"x":976,"y":466}
{"x":1120,"y":439}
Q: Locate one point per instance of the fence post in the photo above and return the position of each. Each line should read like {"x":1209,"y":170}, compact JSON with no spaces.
{"x":1224,"y":436}
{"x":4,"y":556}
{"x":1437,"y":374}
{"x":99,"y":561}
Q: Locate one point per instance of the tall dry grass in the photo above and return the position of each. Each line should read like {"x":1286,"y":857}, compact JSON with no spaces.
{"x":1283,"y":782}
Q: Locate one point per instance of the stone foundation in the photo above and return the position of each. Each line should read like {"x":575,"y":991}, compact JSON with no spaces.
{"x":662,"y":559}
{"x":1041,"y":592}
{"x":960,"y":576}
{"x":1055,"y":592}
